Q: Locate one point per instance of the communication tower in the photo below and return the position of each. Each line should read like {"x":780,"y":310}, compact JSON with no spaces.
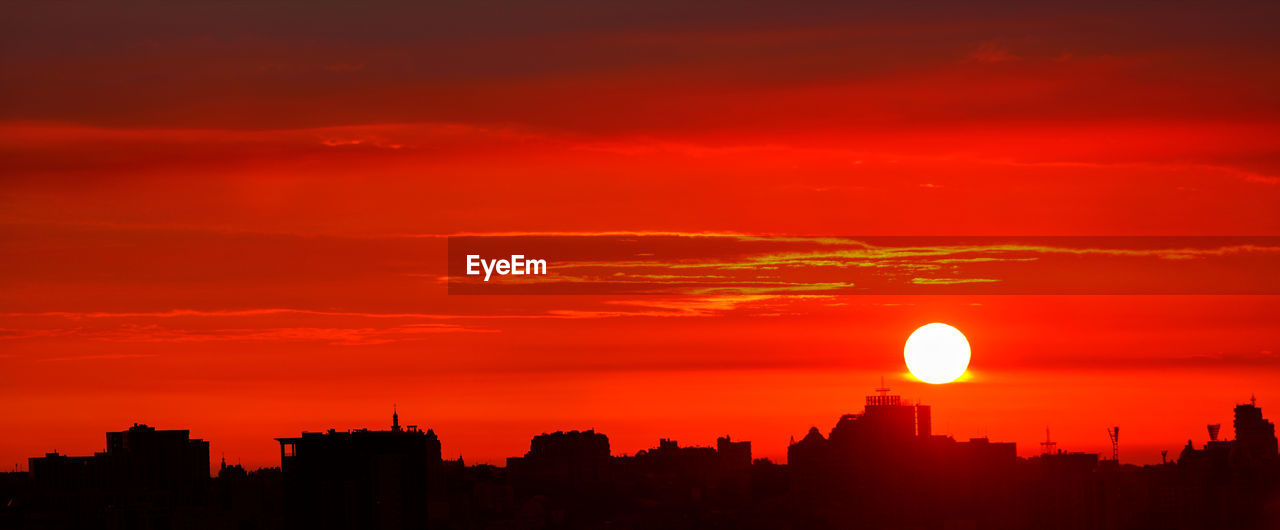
{"x":1114,"y":433}
{"x":1048,"y":446}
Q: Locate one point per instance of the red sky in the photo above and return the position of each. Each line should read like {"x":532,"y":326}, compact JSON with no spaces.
{"x":231,"y":218}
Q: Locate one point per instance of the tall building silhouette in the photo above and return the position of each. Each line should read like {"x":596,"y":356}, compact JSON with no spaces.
{"x":1254,"y":446}
{"x":1255,"y":436}
{"x":884,"y":419}
{"x":1230,"y":483}
{"x":871,"y":458}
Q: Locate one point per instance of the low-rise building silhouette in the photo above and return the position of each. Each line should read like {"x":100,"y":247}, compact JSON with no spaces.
{"x":573,"y":457}
{"x":361,"y":479}
{"x":733,"y":455}
{"x":145,"y":478}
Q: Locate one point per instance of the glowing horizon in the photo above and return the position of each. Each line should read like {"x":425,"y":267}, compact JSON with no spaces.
{"x":234,"y":219}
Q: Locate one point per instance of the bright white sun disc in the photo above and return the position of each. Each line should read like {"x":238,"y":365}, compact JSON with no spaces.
{"x":937,"y":353}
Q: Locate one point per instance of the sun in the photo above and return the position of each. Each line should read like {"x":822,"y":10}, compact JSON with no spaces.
{"x":937,"y":353}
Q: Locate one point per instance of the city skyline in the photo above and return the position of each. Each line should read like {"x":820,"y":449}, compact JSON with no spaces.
{"x":921,"y":425}
{"x":235,"y":217}
{"x":884,"y":466}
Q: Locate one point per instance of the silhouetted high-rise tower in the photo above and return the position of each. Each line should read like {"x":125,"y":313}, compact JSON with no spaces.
{"x":1255,"y":436}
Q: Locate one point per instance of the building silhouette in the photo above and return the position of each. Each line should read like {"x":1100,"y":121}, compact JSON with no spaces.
{"x":361,"y":479}
{"x":886,"y":466}
{"x":1255,"y":436}
{"x":146,"y":478}
{"x":1254,"y":446}
{"x":881,"y":468}
{"x":564,"y":458}
{"x":733,"y":455}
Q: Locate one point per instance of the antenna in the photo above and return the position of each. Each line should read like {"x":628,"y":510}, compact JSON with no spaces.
{"x":1048,"y":445}
{"x":883,"y":398}
{"x":1114,"y":434}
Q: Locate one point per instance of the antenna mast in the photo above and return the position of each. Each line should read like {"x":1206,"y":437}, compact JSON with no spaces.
{"x":1048,"y":445}
{"x":1114,"y":433}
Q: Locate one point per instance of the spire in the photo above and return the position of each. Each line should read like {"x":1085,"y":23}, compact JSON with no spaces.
{"x":395,"y":418}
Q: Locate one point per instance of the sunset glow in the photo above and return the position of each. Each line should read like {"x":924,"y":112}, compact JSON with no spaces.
{"x":235,"y":220}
